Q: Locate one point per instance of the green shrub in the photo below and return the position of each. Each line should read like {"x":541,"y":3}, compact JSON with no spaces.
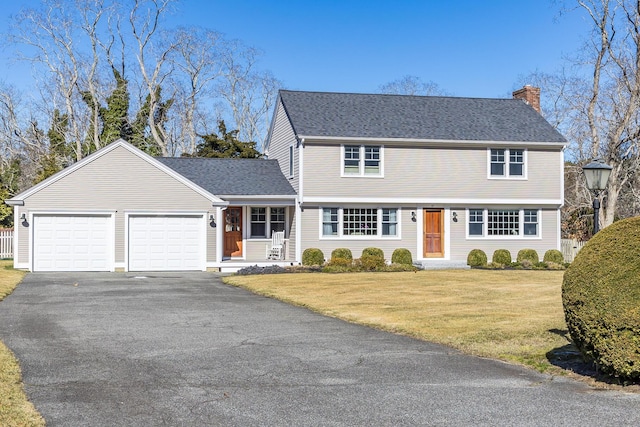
{"x":377,"y":252}
{"x":312,"y":256}
{"x":502,"y":256}
{"x":370,"y":263}
{"x":340,"y":262}
{"x":477,"y":258}
{"x":528,"y":254}
{"x":601,"y":299}
{"x":344,"y":253}
{"x":553,"y":255}
{"x":402,"y":256}
{"x":372,"y":259}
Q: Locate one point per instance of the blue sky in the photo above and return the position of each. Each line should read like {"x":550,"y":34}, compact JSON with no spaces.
{"x":476,"y":48}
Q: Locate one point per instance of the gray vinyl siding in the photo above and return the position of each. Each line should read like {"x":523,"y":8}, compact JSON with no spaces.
{"x":311,"y":236}
{"x":122,"y":182}
{"x":460,"y":245}
{"x":282,"y":137}
{"x":443,"y":172}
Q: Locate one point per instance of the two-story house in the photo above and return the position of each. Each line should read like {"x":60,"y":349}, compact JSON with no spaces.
{"x":439,"y":176}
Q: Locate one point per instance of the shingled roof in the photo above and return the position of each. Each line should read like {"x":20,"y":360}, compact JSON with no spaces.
{"x":246,"y":177}
{"x":353,"y":115}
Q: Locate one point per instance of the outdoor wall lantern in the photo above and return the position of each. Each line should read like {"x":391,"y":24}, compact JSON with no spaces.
{"x":455,"y":217}
{"x":413,"y":216}
{"x":212,"y":221}
{"x":597,"y":174}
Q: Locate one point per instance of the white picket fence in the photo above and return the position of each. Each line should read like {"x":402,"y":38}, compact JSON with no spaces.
{"x":570,"y":248}
{"x":6,"y":243}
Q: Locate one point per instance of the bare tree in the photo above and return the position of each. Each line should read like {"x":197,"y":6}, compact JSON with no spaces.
{"x":595,"y":100}
{"x":197,"y":65}
{"x":248,"y":92}
{"x":411,"y":85}
{"x":152,"y":54}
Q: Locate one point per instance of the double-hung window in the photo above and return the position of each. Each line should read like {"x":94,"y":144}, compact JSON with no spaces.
{"x":503,"y":223}
{"x":362,"y":160}
{"x":370,"y":222}
{"x":507,"y":163}
{"x":258,"y":222}
{"x":476,"y":222}
{"x":265,"y":220}
{"x":277,"y":219}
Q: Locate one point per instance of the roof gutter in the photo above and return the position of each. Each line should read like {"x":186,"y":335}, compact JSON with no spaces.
{"x":434,"y":142}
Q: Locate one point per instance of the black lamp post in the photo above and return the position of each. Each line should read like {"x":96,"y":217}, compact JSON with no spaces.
{"x":597,"y":174}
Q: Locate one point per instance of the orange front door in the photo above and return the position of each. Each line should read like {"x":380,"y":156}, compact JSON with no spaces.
{"x":433,"y":233}
{"x":233,"y":232}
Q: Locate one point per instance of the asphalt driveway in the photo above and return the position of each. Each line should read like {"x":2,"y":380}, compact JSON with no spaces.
{"x":118,"y":349}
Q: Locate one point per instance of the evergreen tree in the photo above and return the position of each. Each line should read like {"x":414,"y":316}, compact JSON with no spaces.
{"x":225,"y":144}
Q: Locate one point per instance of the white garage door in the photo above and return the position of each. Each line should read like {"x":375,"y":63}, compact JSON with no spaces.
{"x":169,"y":243}
{"x":72,"y":243}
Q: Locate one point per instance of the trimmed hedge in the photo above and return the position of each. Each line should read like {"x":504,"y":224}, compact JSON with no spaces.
{"x":601,"y":299}
{"x":502,"y":256}
{"x":528,"y":255}
{"x":402,"y":256}
{"x":372,"y":259}
{"x":554,"y":256}
{"x":477,"y":258}
{"x":312,"y":256}
{"x":344,"y":253}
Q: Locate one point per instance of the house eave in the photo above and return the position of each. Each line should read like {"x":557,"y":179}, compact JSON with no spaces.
{"x":14,"y":202}
{"x":430,"y":142}
{"x":428,"y":202}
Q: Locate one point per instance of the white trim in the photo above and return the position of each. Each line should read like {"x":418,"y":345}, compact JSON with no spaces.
{"x":301,"y":170}
{"x":219,"y":233}
{"x":298,"y":221}
{"x":260,"y":201}
{"x":108,"y":213}
{"x":267,"y":223}
{"x":520,"y":236}
{"x":105,"y":150}
{"x":431,"y":202}
{"x":361,"y":162}
{"x":415,"y":141}
{"x":379,"y":237}
{"x":507,"y":154}
{"x":203,"y":230}
{"x":17,"y":225}
{"x":446,"y":212}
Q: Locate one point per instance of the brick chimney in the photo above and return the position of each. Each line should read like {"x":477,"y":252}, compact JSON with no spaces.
{"x":530,"y":95}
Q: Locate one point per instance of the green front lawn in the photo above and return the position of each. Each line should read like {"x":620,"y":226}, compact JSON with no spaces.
{"x":513,"y":315}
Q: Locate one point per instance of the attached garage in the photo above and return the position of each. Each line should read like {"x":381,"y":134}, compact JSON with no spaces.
{"x":167,"y":243}
{"x":72,"y":242}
